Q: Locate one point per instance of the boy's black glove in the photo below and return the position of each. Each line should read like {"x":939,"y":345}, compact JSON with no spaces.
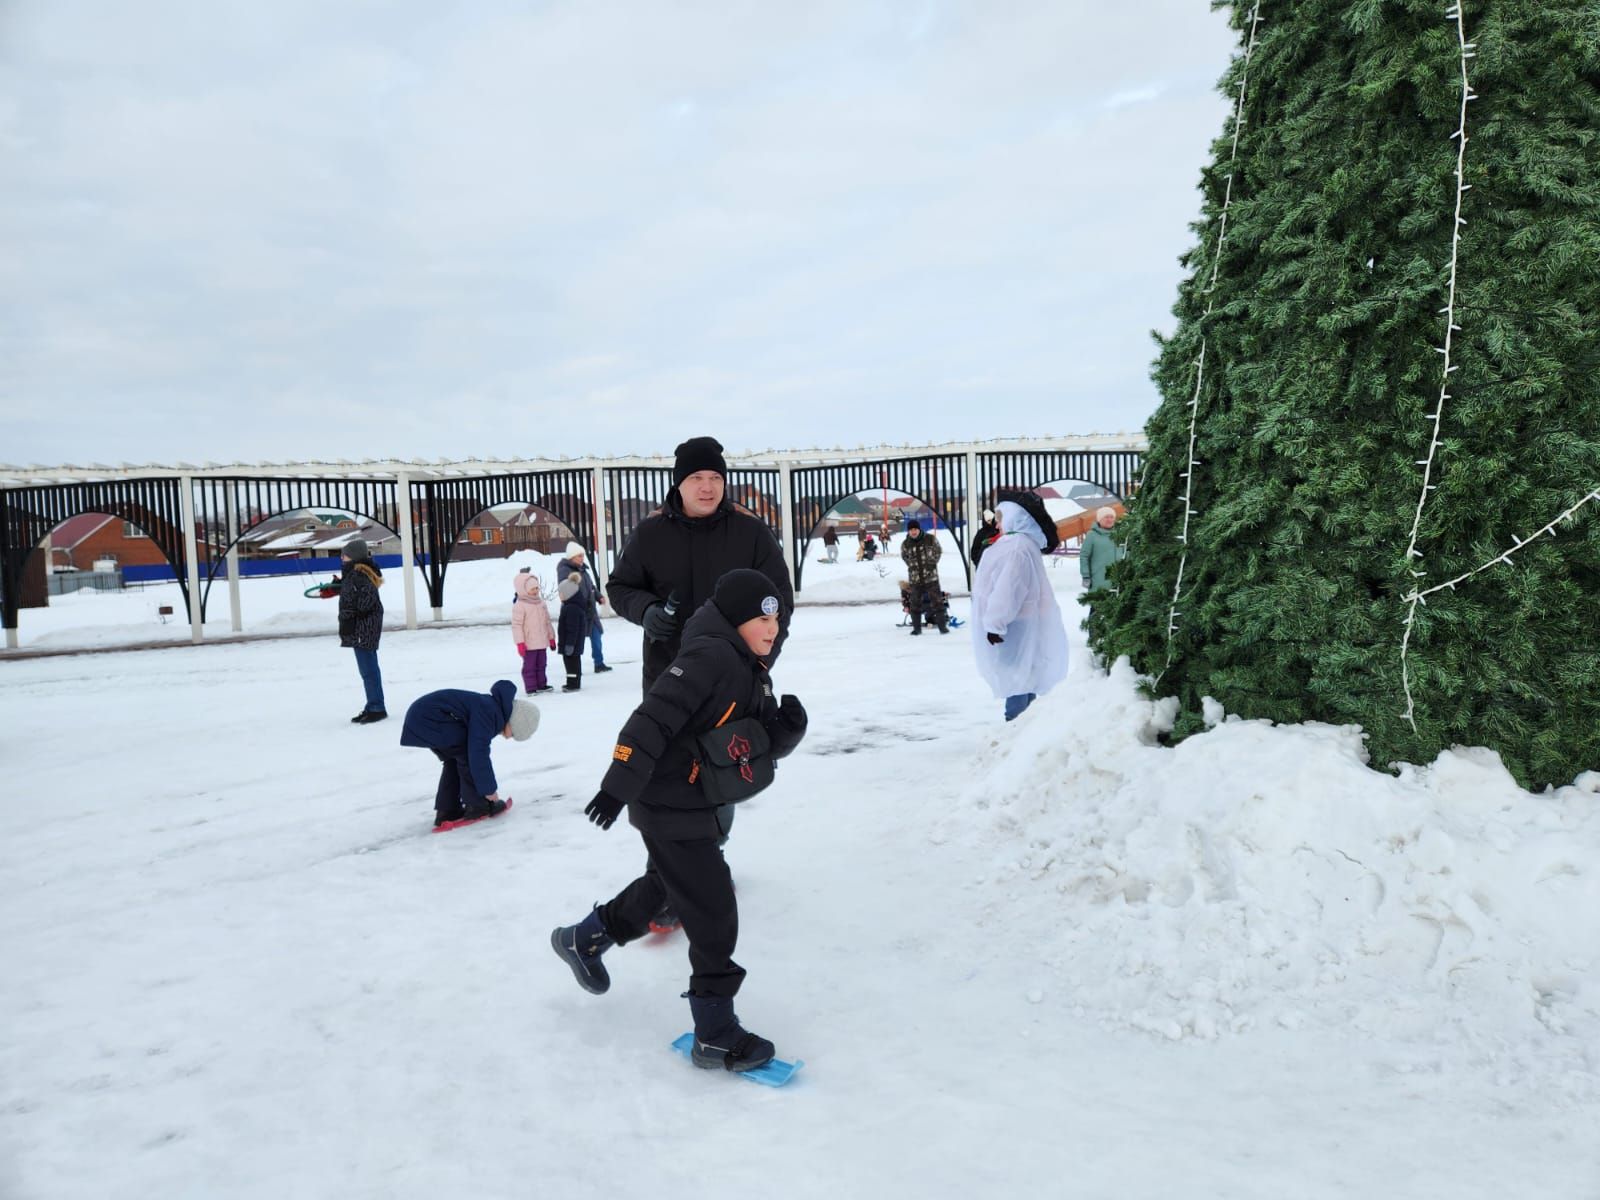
{"x":786,"y":726}
{"x":603,"y":810}
{"x":994,"y":639}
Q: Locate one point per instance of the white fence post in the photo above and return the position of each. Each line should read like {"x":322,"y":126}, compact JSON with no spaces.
{"x":191,"y":551}
{"x":408,"y":557}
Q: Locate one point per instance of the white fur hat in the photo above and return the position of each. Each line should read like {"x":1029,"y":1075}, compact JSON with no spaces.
{"x":575,"y":551}
{"x":524,"y":719}
{"x":1105,"y":511}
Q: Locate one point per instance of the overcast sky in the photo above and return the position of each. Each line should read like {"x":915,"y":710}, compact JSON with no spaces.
{"x":301,"y":229}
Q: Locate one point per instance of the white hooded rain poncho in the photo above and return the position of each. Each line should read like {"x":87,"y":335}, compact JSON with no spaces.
{"x":1011,"y":596}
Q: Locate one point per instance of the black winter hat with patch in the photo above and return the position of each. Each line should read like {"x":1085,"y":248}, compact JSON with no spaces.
{"x":745,"y":594}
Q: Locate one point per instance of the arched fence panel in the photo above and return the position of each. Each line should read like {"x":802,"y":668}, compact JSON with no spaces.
{"x":937,"y":480}
{"x":28,"y":514}
{"x":1115,"y":470}
{"x":227,"y":508}
{"x":449,"y":505}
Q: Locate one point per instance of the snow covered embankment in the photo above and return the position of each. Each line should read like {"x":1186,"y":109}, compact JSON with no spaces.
{"x":1260,"y":874}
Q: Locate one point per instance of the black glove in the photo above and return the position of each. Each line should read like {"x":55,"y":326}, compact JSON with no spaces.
{"x":786,"y":727}
{"x":994,"y":639}
{"x":660,"y":625}
{"x":603,"y":810}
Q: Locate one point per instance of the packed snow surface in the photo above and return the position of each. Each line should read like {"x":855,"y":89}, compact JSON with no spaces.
{"x":1050,"y":958}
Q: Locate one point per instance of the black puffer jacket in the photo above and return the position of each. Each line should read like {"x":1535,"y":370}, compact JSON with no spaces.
{"x":671,"y":553}
{"x":360,"y":609}
{"x":586,"y":580}
{"x":713,"y":680}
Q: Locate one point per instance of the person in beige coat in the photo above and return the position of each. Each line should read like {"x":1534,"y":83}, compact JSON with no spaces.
{"x":531,"y":629}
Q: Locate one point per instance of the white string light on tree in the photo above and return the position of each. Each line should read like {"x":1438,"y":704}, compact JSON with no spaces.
{"x":1413,"y":555}
{"x":1421,"y":597}
{"x":1187,"y":474}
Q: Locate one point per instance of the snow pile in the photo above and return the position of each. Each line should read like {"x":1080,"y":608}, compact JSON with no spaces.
{"x":1260,"y":875}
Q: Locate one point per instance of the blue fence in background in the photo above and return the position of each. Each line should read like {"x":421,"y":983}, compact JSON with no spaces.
{"x":248,"y":567}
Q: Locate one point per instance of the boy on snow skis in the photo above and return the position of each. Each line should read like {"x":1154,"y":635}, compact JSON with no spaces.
{"x":706,"y":734}
{"x":460,"y":728}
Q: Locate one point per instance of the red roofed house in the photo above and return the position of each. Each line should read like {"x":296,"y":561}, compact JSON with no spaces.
{"x":80,"y":542}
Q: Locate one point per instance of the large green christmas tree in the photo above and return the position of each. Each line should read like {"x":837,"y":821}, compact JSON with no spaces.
{"x":1386,"y":375}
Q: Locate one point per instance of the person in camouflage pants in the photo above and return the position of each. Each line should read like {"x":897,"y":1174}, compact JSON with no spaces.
{"x":921,"y":553}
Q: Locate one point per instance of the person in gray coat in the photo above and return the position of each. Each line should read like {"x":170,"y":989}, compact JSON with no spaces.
{"x":1099,"y":550}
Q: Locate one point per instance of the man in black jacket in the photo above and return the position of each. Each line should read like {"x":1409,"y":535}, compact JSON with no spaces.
{"x":675,"y":557}
{"x":718,"y":682}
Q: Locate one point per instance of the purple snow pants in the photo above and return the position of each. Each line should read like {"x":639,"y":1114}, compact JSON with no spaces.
{"x":533,"y":671}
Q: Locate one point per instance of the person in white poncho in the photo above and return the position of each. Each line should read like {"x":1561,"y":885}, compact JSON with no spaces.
{"x":1017,"y":633}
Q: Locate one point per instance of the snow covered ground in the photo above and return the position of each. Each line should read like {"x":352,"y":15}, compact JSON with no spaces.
{"x":1052,"y":958}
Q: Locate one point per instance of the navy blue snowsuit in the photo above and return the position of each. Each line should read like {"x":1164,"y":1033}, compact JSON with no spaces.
{"x":460,"y":727}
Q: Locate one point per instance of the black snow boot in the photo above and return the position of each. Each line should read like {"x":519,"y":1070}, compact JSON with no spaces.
{"x":719,"y":1039}
{"x":580,"y":947}
{"x":483,"y":808}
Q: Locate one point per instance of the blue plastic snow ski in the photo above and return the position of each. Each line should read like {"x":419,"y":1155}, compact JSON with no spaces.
{"x":773,"y":1074}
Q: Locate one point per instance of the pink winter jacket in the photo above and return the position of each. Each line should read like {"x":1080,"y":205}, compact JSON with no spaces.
{"x":530,"y":619}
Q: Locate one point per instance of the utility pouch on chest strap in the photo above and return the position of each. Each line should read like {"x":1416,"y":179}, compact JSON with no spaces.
{"x":735,"y":761}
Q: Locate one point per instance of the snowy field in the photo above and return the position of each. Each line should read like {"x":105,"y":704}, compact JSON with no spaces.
{"x":1051,"y":958}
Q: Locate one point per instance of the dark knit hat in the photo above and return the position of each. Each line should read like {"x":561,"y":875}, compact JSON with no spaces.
{"x":1030,"y":503}
{"x":913,"y":523}
{"x":745,"y":594}
{"x":698,"y":454}
{"x":356,"y":550}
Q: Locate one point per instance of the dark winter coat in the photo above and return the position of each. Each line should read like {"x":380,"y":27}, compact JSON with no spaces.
{"x":672,"y":553}
{"x":921,"y":554}
{"x":983,"y":539}
{"x":830,"y":536}
{"x":452,"y":721}
{"x":590,"y":595}
{"x":360,"y":609}
{"x":714,"y":679}
{"x":572,"y":626}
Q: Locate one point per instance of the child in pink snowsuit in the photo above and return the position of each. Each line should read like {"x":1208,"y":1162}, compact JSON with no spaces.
{"x":530,"y":626}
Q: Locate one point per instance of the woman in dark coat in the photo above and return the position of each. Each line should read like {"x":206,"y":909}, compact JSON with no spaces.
{"x":361,"y":624}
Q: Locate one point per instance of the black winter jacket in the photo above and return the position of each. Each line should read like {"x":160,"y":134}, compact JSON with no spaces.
{"x":591,"y":589}
{"x":360,"y":609}
{"x":573,"y":626}
{"x":451,"y":721}
{"x":671,"y":553}
{"x":983,"y":539}
{"x":713,"y":680}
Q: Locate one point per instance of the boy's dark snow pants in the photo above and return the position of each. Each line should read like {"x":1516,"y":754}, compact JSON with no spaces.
{"x":694,"y":876}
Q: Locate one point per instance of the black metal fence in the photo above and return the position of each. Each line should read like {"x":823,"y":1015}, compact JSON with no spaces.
{"x":226,"y":508}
